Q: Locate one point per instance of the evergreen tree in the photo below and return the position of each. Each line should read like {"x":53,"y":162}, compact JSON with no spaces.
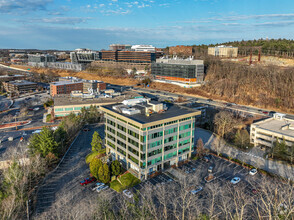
{"x":104,"y":174}
{"x":96,"y":142}
{"x":115,"y":168}
{"x":95,"y":166}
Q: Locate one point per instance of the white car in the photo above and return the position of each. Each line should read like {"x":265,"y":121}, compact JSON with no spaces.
{"x":253,"y":172}
{"x":128,"y":193}
{"x":235,"y":180}
{"x":36,"y":131}
{"x":197,"y":190}
{"x":101,"y":188}
{"x":36,"y":109}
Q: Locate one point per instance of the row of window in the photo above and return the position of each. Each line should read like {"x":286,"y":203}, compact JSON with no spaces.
{"x":155,"y":126}
{"x":152,"y":153}
{"x":170,"y":131}
{"x":68,"y":109}
{"x":186,"y":134}
{"x":155,"y":144}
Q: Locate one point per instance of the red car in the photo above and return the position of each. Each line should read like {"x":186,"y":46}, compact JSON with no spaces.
{"x":87,"y":181}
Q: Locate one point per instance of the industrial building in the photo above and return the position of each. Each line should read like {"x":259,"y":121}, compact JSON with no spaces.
{"x":19,"y":86}
{"x":180,"y":70}
{"x":83,"y":55}
{"x":148,"y":136}
{"x":266,"y":132}
{"x":64,"y":104}
{"x":40,"y":60}
{"x":223,"y":51}
{"x":65,"y":87}
{"x":120,"y":47}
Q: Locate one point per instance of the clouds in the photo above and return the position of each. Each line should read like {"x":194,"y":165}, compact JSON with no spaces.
{"x":7,"y":6}
{"x":60,"y":20}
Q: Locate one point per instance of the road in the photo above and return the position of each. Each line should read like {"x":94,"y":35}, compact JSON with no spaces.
{"x":61,"y":186}
{"x":5,"y":103}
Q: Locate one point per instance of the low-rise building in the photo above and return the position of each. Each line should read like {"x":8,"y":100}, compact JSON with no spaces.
{"x":67,"y":66}
{"x":90,"y":86}
{"x":64,"y":104}
{"x":266,"y":132}
{"x":182,"y":70}
{"x":145,"y":48}
{"x":83,"y":55}
{"x":148,"y":136}
{"x":65,"y":87}
{"x":223,"y":51}
{"x":40,"y":60}
{"x":6,"y":78}
{"x":19,"y":86}
{"x":115,"y":47}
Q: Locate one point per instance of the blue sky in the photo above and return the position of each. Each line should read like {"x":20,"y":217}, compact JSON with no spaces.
{"x":94,"y":24}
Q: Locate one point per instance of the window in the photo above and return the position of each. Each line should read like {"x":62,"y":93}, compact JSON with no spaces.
{"x":181,"y":143}
{"x":184,"y":119}
{"x":186,"y":134}
{"x":59,"y":109}
{"x":170,"y":155}
{"x":134,"y":125}
{"x":135,"y":143}
{"x":111,"y":144}
{"x":133,"y":159}
{"x":133,"y":151}
{"x":121,"y":151}
{"x":122,"y":120}
{"x":132,"y":133}
{"x":184,"y":127}
{"x":171,"y":122}
{"x":68,"y":109}
{"x":122,"y":144}
{"x":77,"y":108}
{"x":111,"y":137}
{"x":143,"y":156}
{"x":167,"y":140}
{"x":152,"y":153}
{"x":111,"y":122}
{"x":184,"y":150}
{"x":154,"y":161}
{"x":143,"y":138}
{"x":155,"y":135}
{"x":111,"y":130}
{"x":155,"y":144}
{"x":169,"y":147}
{"x":154,"y":126}
{"x":121,"y":136}
{"x":121,"y":128}
{"x":170,"y":131}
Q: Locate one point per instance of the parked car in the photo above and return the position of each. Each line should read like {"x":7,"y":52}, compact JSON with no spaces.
{"x":210,"y":169}
{"x":128,"y":193}
{"x":252,"y":172}
{"x":36,"y":109}
{"x":197,"y":190}
{"x":96,"y":185}
{"x":265,"y":112}
{"x":206,"y":158}
{"x":101,"y":188}
{"x":235,"y":180}
{"x":87,"y":181}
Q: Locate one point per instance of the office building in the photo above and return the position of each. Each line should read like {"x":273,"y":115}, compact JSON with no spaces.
{"x":115,"y":47}
{"x":108,"y":55}
{"x":64,"y":104}
{"x":144,"y":48}
{"x":148,"y":136}
{"x":40,"y":60}
{"x":67,"y":66}
{"x":180,"y":70}
{"x":266,"y":132}
{"x":223,"y":51}
{"x":65,"y":87}
{"x":136,"y":56}
{"x":83,"y":55}
{"x":91,"y":86}
{"x":7,"y":78}
{"x":19,"y":86}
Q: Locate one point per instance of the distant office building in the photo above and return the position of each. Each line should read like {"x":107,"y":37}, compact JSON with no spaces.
{"x":182,"y":70}
{"x":145,"y":48}
{"x":19,"y":86}
{"x":65,"y":87}
{"x":147,"y":136}
{"x":67,"y":66}
{"x":181,"y":50}
{"x":266,"y":132}
{"x":83,"y":56}
{"x":115,"y":47}
{"x":40,"y":60}
{"x":136,"y":56}
{"x":91,"y":86}
{"x":223,"y":51}
{"x":6,"y":78}
{"x":108,"y":55}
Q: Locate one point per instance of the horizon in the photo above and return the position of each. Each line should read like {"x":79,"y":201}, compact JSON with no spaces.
{"x":71,"y":24}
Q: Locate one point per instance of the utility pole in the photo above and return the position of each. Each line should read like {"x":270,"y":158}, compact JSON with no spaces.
{"x":28,"y":213}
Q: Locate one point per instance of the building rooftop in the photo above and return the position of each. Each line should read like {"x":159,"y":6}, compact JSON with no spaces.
{"x":67,"y":99}
{"x":22,"y":82}
{"x":282,"y":126}
{"x":4,"y":76}
{"x":59,"y":83}
{"x":171,"y":112}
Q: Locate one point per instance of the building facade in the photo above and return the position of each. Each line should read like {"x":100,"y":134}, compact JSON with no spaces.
{"x":148,"y":137}
{"x":90,"y":86}
{"x":40,"y":60}
{"x":188,"y":71}
{"x":6,"y":78}
{"x":223,"y":51}
{"x":266,"y":132}
{"x":67,"y":66}
{"x":65,"y":87}
{"x":115,"y":47}
{"x":19,"y":86}
{"x":145,"y":48}
{"x":83,"y":55}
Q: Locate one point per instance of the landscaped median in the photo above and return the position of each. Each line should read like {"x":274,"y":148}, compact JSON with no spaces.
{"x":125,"y":181}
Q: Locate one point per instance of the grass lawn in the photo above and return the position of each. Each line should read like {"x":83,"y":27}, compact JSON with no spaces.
{"x":128,"y":181}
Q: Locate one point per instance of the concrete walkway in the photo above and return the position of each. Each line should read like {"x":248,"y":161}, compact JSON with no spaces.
{"x":254,"y":157}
